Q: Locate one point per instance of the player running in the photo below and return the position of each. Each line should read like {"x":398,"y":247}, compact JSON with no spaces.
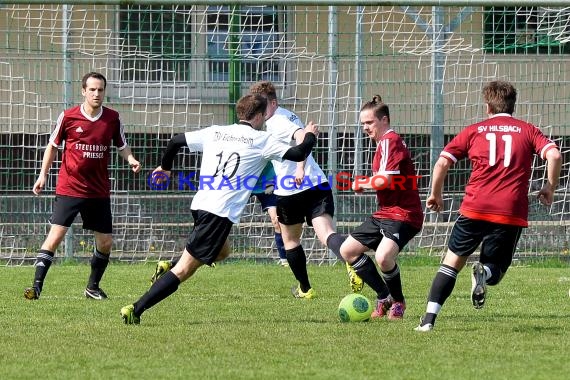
{"x":229,"y":153}
{"x":494,"y":210}
{"x":398,"y":218}
{"x":303,"y":195}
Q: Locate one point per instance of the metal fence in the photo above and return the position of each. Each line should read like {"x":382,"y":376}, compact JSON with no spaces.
{"x":174,"y":67}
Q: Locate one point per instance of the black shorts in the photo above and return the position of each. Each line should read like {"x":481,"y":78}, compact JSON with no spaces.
{"x":95,"y":213}
{"x":266,"y":200}
{"x":208,"y":236}
{"x":305,"y":206}
{"x":498,"y":241}
{"x":372,"y":231}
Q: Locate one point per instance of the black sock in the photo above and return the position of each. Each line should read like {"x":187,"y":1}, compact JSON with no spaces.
{"x":394,"y":283}
{"x":428,"y":318}
{"x":366,"y":269}
{"x":334,"y":241}
{"x":440,"y":290}
{"x":43,"y":262}
{"x":298,"y":264}
{"x":162,"y":288}
{"x":99,"y":262}
{"x":442,"y":284}
{"x":496,"y":274}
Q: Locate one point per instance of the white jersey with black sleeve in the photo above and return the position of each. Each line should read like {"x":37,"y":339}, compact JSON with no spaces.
{"x":233,"y":158}
{"x":283,"y":125}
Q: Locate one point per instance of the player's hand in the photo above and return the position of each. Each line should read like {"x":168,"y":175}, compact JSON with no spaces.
{"x":135,"y":165}
{"x":40,"y":184}
{"x":299,"y":175}
{"x":269,"y":189}
{"x":160,"y":175}
{"x":546,"y":195}
{"x":361,"y":183}
{"x":312,"y":127}
{"x":435,"y":203}
{"x":357,"y":188}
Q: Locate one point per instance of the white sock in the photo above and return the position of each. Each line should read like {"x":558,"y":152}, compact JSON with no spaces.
{"x":433,"y":307}
{"x":487,"y":272}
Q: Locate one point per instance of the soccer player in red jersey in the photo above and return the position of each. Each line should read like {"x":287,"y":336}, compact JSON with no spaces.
{"x":494,"y":209}
{"x":397,"y":220}
{"x":83,"y":184}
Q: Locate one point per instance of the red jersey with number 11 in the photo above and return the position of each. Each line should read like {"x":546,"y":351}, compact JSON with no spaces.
{"x":84,"y":166}
{"x":501,"y":151}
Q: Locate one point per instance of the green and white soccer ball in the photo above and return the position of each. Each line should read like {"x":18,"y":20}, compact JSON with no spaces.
{"x":355,"y":308}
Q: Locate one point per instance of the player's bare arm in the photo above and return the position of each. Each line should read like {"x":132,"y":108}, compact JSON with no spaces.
{"x":49,"y":157}
{"x":312,"y":128}
{"x":127,"y":154}
{"x":435,"y":199}
{"x":553,"y":167}
{"x":300,"y":172}
{"x":299,"y":136}
{"x":377,"y":181}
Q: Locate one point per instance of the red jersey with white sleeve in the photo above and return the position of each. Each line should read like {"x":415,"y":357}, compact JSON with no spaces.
{"x":501,"y":151}
{"x":86,"y":154}
{"x":399,"y":200}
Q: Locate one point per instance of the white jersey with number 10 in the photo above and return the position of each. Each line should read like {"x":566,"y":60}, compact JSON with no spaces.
{"x":233,"y":158}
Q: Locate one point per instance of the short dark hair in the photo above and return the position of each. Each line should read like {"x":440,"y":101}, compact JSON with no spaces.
{"x":264,"y":88}
{"x":378,"y":106}
{"x":501,"y":96}
{"x":250,"y":105}
{"x":95,"y":75}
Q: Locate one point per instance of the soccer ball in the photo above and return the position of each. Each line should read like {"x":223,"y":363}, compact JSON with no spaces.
{"x":355,"y":308}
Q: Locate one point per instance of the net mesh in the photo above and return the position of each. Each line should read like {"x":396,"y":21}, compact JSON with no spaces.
{"x":177,"y":68}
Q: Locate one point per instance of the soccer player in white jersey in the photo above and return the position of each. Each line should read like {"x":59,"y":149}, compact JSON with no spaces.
{"x":232,"y":157}
{"x":303,"y":195}
{"x":263,"y":191}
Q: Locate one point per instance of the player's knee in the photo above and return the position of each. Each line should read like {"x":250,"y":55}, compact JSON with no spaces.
{"x":276,"y":227}
{"x":290,"y":240}
{"x":223,"y":255}
{"x":349,"y":255}
{"x":384,"y":261}
{"x":54,"y":238}
{"x":104,"y":244}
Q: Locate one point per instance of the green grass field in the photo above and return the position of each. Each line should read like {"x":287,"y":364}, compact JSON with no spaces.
{"x":239,"y":321}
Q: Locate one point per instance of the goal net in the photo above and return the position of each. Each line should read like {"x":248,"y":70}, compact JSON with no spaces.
{"x":176,"y":68}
